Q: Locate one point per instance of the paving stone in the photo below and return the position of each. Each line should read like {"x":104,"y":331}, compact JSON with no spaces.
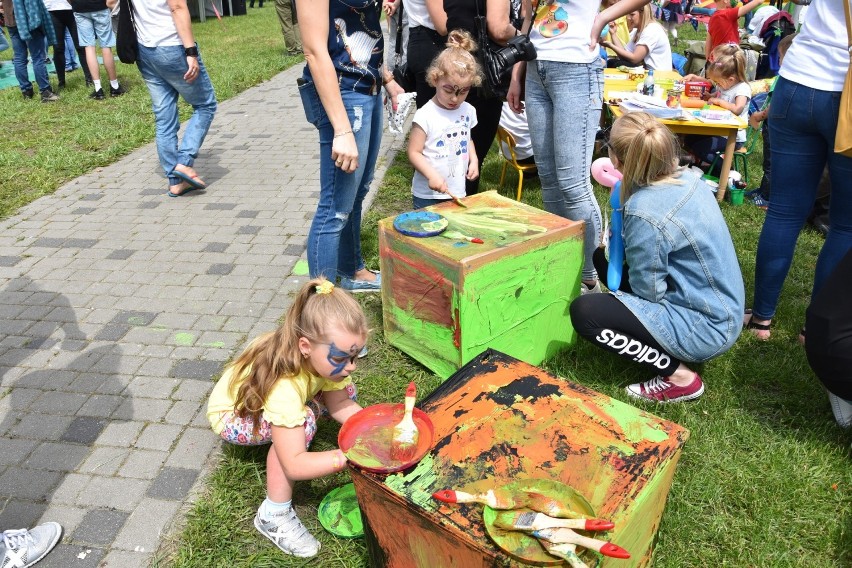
{"x":143,"y":464}
{"x":202,"y":370}
{"x":112,"y":332}
{"x":172,"y":483}
{"x":87,"y":382}
{"x":68,"y":517}
{"x":100,"y":405}
{"x":72,"y":556}
{"x":113,"y":492}
{"x":143,"y":409}
{"x":14,"y":450}
{"x":62,"y":403}
{"x":84,"y":430}
{"x":220,"y":269}
{"x":220,"y":206}
{"x":152,"y":387}
{"x":92,"y":197}
{"x":56,"y":456}
{"x":127,"y":559}
{"x":8,"y":261}
{"x":82,"y":210}
{"x":121,"y":434}
{"x":182,"y":412}
{"x":99,"y":527}
{"x":158,"y":437}
{"x":105,"y":460}
{"x":40,"y":427}
{"x":193,"y":390}
{"x":213,"y":247}
{"x":193,"y":448}
{"x":146,"y":524}
{"x":19,"y":514}
{"x":69,"y":488}
{"x":120,"y":254}
{"x":29,"y":483}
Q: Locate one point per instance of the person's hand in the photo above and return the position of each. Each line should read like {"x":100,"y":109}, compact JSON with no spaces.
{"x":439,"y":184}
{"x":389,"y":6}
{"x":514,"y":96}
{"x":597,"y":27}
{"x":393,"y":89}
{"x":756,"y":118}
{"x":191,"y":73}
{"x":472,"y":170}
{"x":344,"y":151}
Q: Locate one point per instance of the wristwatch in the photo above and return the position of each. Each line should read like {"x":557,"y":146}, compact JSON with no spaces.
{"x":191,"y":51}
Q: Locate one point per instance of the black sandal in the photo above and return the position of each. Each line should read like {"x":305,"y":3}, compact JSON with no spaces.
{"x":753,"y":325}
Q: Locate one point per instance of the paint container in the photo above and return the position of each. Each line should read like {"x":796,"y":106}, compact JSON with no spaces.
{"x":673,"y":98}
{"x":696,"y":89}
{"x":736,"y":196}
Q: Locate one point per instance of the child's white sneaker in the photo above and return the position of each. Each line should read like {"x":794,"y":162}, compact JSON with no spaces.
{"x":288,"y":533}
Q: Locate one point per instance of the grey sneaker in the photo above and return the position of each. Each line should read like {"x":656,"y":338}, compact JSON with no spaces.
{"x":48,"y":96}
{"x":596,"y":289}
{"x":23,"y":548}
{"x":288,"y":533}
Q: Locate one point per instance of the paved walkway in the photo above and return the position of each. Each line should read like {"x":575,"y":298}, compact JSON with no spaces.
{"x":118,"y":305}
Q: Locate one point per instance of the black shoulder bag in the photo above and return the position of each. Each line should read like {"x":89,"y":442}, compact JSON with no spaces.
{"x":126,"y":42}
{"x":403,"y":76}
{"x":497,"y":61}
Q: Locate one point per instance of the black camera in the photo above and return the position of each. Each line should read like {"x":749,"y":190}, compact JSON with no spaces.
{"x":519,"y":48}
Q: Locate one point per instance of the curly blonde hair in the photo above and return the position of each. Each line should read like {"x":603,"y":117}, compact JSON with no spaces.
{"x":457,"y":59}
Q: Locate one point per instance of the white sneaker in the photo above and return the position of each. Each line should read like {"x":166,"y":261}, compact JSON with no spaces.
{"x":596,"y":289}
{"x":22,"y":548}
{"x":288,"y":533}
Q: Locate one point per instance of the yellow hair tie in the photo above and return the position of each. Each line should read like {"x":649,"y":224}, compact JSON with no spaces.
{"x":325,"y":288}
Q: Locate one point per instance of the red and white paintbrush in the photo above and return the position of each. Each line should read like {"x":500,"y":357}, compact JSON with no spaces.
{"x":532,"y":521}
{"x":559,"y":536}
{"x":405,"y":433}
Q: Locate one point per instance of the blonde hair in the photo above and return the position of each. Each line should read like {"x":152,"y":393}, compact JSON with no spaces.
{"x":456,"y":59}
{"x":646,"y":16}
{"x":276,"y":356}
{"x":728,"y":61}
{"x":646,"y":150}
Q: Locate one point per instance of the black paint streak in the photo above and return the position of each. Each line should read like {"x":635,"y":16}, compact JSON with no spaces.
{"x":523,"y":388}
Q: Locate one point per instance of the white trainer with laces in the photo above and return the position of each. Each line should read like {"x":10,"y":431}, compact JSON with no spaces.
{"x":288,"y":533}
{"x":23,"y":548}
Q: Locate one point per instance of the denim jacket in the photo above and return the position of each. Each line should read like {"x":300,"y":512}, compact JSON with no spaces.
{"x":687,"y":286}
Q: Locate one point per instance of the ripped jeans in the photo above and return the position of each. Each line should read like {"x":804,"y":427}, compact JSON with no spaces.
{"x":334,"y":241}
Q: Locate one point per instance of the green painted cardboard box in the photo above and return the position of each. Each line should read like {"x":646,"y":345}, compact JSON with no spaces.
{"x":445,"y":300}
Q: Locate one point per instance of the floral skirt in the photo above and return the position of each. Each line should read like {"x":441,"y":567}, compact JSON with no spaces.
{"x":240,"y":431}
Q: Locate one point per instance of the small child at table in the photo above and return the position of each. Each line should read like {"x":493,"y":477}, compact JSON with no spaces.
{"x":726,"y":70}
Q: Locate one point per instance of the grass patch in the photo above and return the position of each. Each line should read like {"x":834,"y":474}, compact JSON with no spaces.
{"x":47,"y":145}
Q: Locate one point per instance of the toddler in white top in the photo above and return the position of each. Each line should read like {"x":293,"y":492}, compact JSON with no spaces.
{"x":439,"y":147}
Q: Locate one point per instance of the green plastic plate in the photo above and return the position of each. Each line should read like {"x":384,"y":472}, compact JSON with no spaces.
{"x":339,"y":513}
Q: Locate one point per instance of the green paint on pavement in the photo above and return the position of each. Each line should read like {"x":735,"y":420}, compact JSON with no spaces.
{"x":184,"y":339}
{"x":301,"y":268}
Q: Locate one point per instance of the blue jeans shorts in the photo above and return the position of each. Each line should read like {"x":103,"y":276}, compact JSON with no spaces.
{"x":94,"y":25}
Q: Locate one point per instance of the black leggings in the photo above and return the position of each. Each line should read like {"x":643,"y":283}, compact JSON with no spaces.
{"x":609,"y":324}
{"x":424,"y":44}
{"x":488,"y":111}
{"x":63,"y":19}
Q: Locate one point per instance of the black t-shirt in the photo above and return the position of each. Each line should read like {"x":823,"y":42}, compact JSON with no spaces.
{"x":88,"y":5}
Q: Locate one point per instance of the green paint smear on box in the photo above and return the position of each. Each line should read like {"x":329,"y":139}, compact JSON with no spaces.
{"x":301,"y":267}
{"x":418,"y":485}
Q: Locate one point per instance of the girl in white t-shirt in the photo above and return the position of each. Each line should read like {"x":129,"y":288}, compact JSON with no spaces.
{"x":727,"y":71}
{"x":648,"y":45}
{"x":439,"y":147}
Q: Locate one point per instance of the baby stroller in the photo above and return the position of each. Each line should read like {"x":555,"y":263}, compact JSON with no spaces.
{"x":776,"y":28}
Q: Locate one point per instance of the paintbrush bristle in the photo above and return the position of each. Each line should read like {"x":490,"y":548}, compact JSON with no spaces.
{"x":511,"y":520}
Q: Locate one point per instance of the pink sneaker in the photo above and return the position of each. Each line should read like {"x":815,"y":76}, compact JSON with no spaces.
{"x":660,"y":389}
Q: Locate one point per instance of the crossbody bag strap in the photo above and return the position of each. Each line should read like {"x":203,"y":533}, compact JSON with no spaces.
{"x":398,"y":46}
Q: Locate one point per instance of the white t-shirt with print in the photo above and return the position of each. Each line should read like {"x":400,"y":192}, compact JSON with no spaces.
{"x":659,"y":57}
{"x":562,"y":30}
{"x":730,"y":96}
{"x":447,"y":147}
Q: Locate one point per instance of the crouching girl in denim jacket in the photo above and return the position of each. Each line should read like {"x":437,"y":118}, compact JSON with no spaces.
{"x":681,"y":298}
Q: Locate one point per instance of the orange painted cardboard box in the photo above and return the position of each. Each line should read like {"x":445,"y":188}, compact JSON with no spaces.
{"x":498,"y":420}
{"x":446,"y":299}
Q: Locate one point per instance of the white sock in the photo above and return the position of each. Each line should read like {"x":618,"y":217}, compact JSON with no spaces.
{"x":97,"y":84}
{"x":270,"y":508}
{"x":113,"y":84}
{"x":674,"y":33}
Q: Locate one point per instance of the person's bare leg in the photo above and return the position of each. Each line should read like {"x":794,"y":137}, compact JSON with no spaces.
{"x":92,"y":63}
{"x":109,"y":63}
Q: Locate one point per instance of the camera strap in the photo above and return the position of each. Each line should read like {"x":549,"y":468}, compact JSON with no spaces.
{"x":398,"y":46}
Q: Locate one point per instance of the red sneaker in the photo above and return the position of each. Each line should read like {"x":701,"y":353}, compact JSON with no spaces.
{"x":660,"y":389}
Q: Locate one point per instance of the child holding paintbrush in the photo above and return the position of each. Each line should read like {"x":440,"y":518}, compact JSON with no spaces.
{"x":277,"y":389}
{"x":684,"y":297}
{"x":439,"y":147}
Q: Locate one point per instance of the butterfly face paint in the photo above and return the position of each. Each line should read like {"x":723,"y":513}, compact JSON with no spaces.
{"x":338,"y":358}
{"x":331,"y":361}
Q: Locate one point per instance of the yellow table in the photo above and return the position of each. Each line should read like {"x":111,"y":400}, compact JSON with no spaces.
{"x":692,"y":126}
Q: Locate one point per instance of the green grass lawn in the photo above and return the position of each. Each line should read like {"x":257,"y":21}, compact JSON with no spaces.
{"x":764,"y":479}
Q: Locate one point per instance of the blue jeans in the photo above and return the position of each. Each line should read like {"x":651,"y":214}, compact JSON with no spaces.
{"x":564,"y":102}
{"x":802,"y":123}
{"x":334,"y":241}
{"x":163,"y":68}
{"x":35,"y":47}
